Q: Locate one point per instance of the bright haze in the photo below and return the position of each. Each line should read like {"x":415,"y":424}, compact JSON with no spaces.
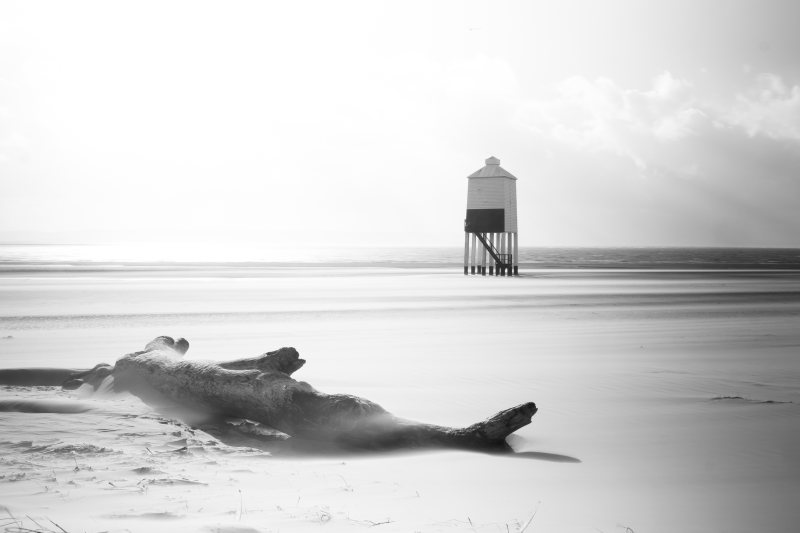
{"x":627,"y":123}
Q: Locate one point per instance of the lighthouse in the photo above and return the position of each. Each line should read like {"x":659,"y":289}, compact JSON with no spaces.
{"x":490,"y":228}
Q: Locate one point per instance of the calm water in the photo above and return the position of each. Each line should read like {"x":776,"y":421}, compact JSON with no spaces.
{"x":16,"y":256}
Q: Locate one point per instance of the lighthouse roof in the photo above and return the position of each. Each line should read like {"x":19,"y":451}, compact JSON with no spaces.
{"x":492,"y":170}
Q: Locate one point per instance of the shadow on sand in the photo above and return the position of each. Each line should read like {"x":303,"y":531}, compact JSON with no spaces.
{"x":247,"y":434}
{"x":544,"y":456}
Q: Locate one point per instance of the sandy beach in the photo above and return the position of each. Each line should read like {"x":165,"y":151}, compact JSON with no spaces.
{"x":668,"y":400}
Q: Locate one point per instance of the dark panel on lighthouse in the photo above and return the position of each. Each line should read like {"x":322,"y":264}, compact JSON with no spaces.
{"x":485,"y":221}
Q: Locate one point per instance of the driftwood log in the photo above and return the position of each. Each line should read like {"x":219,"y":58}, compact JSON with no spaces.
{"x":262,"y":389}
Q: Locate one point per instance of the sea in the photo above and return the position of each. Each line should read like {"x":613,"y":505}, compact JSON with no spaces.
{"x":15,"y":257}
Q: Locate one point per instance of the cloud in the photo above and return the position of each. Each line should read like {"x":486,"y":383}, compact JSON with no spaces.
{"x":769,"y":108}
{"x":601,"y":116}
{"x":666,"y":164}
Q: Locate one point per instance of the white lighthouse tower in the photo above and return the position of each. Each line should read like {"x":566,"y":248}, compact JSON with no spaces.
{"x":490,"y":228}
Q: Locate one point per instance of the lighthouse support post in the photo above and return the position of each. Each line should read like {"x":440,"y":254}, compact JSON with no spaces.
{"x":503,"y":239}
{"x":490,"y":239}
{"x":466,"y":253}
{"x":473,"y":253}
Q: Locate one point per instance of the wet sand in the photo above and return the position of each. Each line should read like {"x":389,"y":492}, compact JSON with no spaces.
{"x":669,"y":400}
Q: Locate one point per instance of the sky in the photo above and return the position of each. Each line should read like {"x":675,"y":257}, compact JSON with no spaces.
{"x":628,"y":123}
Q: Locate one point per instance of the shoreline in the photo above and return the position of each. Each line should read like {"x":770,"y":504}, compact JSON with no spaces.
{"x":262,"y":256}
{"x":526,"y":269}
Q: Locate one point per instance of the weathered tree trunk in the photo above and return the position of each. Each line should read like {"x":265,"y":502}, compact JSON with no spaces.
{"x":262,"y":389}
